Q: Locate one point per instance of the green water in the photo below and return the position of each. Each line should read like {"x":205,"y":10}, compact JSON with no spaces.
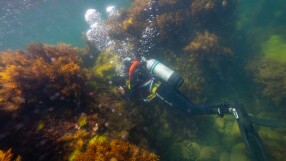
{"x":253,"y":75}
{"x":48,"y":21}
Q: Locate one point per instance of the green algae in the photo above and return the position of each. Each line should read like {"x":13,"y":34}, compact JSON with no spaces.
{"x":274,"y":140}
{"x":219,"y":122}
{"x":185,"y":150}
{"x":192,"y":150}
{"x":93,"y":85}
{"x":106,"y":64}
{"x":238,"y":153}
{"x":40,"y":125}
{"x":269,"y":70}
{"x":82,"y":121}
{"x":78,"y":148}
{"x":97,"y":138}
{"x":74,"y":154}
{"x":275,"y":49}
{"x":209,"y":153}
{"x":224,"y":156}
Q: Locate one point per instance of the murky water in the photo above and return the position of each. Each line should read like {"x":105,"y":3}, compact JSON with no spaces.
{"x":227,"y":51}
{"x":47,"y":21}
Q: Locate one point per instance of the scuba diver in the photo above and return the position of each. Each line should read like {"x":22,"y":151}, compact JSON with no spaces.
{"x":147,"y":79}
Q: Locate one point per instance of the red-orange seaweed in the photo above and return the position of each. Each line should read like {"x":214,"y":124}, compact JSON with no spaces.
{"x":43,"y":74}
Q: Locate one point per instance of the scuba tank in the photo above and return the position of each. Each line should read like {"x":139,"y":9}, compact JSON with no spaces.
{"x":164,"y":73}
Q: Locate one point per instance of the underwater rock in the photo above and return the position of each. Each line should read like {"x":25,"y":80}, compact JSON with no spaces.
{"x":235,"y":132}
{"x":104,"y":149}
{"x":274,"y":49}
{"x":88,"y":55}
{"x":172,"y":21}
{"x":230,"y":133}
{"x":116,"y":117}
{"x":212,"y":137}
{"x":106,"y":64}
{"x":209,"y":11}
{"x":224,"y":156}
{"x":165,"y":130}
{"x":185,"y":150}
{"x":270,"y":134}
{"x":170,"y":24}
{"x":238,"y":153}
{"x":191,"y":150}
{"x":268,"y":69}
{"x":274,"y":141}
{"x":271,"y":76}
{"x":204,"y":68}
{"x":44,"y":74}
{"x":207,"y":47}
{"x":219,"y":122}
{"x":209,"y":153}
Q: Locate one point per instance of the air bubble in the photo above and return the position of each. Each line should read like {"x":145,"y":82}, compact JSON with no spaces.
{"x":101,"y":31}
{"x":92,"y":16}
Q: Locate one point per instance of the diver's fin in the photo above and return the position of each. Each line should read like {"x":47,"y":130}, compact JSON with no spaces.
{"x":249,"y":134}
{"x":267,"y":122}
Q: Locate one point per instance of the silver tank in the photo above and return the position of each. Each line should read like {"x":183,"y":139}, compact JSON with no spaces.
{"x":159,"y":70}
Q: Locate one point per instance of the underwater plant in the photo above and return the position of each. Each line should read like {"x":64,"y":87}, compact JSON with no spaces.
{"x":204,"y":68}
{"x":117,"y":117}
{"x":104,"y":149}
{"x":202,"y":64}
{"x":165,"y":24}
{"x":106,"y":64}
{"x":207,"y":11}
{"x":8,"y":156}
{"x":271,"y":76}
{"x":82,"y":120}
{"x":43,"y":74}
{"x":206,"y":48}
{"x":135,"y":18}
{"x":268,"y":69}
{"x":172,"y":31}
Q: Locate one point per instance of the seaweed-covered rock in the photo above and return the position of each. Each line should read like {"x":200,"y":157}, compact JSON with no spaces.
{"x":209,"y":153}
{"x":213,"y":10}
{"x":106,"y":64}
{"x":105,"y":149}
{"x":238,"y":153}
{"x":274,"y":48}
{"x":207,"y":47}
{"x":43,"y":75}
{"x":274,"y":140}
{"x":225,"y":156}
{"x":204,"y":69}
{"x":268,"y":69}
{"x":185,"y":150}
